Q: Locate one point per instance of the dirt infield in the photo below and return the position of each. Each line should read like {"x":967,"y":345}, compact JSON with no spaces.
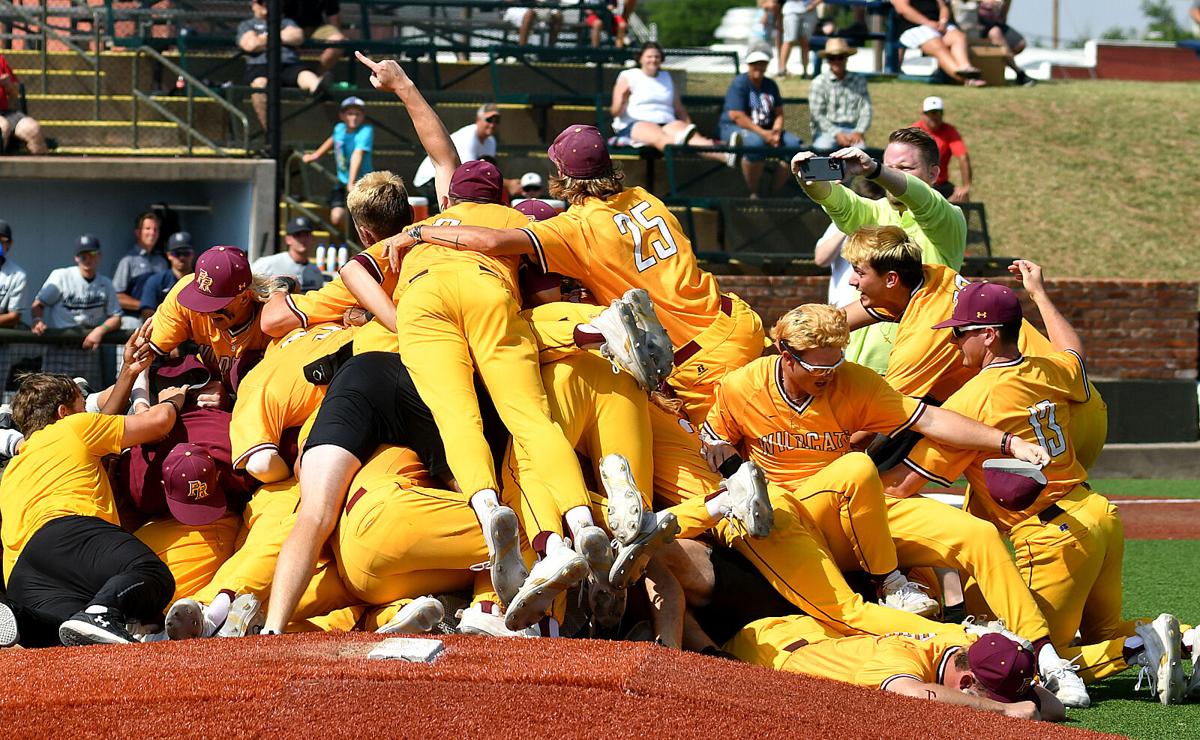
{"x":1159,"y":519}
{"x":300,"y":685}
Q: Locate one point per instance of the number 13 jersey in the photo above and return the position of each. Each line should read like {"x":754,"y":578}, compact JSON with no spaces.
{"x":631,"y":240}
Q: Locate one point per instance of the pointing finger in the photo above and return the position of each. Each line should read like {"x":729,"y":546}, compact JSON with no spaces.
{"x":367,"y":60}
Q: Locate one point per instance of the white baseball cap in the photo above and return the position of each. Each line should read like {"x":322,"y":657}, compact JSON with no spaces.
{"x":932,"y":102}
{"x":757,"y":56}
{"x":531,"y":180}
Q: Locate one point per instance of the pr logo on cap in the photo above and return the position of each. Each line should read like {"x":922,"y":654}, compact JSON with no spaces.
{"x":197,"y":489}
{"x":204,"y":282}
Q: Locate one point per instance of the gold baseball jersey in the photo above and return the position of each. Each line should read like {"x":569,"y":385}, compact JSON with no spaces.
{"x":423,"y":256}
{"x":792,"y":441}
{"x":874,"y":662}
{"x":629,"y":241}
{"x":275,"y":395}
{"x":1030,"y":397}
{"x":58,"y":473}
{"x":173,"y":324}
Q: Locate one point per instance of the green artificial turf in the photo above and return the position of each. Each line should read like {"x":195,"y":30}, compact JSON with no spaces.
{"x":1150,"y":489}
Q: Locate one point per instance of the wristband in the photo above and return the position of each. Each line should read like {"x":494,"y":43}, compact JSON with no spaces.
{"x":878,"y":169}
{"x":415,"y":233}
{"x":1006,"y":443}
{"x":178,"y":409}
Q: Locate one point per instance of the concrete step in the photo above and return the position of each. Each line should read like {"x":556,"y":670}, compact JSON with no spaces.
{"x":112,"y":133}
{"x":206,"y":113}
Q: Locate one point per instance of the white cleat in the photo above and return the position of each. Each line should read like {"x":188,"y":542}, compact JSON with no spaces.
{"x":997,"y":626}
{"x":626,"y":507}
{"x":551,"y":576}
{"x":910,"y":597}
{"x":9,"y":634}
{"x":1160,"y":659}
{"x":245,"y":618}
{"x":631,"y":559}
{"x":185,"y":620}
{"x":507,"y":566}
{"x":605,"y":602}
{"x":749,"y":503}
{"x":1193,"y":687}
{"x":1060,"y":678}
{"x":420,"y":615}
{"x":626,"y":344}
{"x":475,"y":621}
{"x":662,"y":353}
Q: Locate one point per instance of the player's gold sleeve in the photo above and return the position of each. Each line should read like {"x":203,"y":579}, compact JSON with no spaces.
{"x":881,"y":408}
{"x":892,"y":659}
{"x":942,"y":463}
{"x":102,"y":434}
{"x":724,"y":422}
{"x":256,"y":424}
{"x":171,"y":325}
{"x":1073,"y":379}
{"x":559,"y":243}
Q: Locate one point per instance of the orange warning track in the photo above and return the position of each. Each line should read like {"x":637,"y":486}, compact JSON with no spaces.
{"x":1159,"y":520}
{"x":302,"y":685}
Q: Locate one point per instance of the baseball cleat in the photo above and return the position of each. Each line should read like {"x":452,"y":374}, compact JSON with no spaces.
{"x":9,"y":634}
{"x":626,"y":507}
{"x":979,"y":629}
{"x":606,"y":603}
{"x":625,"y":344}
{"x":185,"y":620}
{"x":96,"y":625}
{"x":630,"y":561}
{"x":420,"y":615}
{"x":475,"y":621}
{"x":909,"y":597}
{"x":507,"y":566}
{"x":662,"y":353}
{"x":551,"y":576}
{"x":749,"y":503}
{"x":1060,"y":678}
{"x":1160,"y":661}
{"x":1193,"y":687}
{"x":246,"y":617}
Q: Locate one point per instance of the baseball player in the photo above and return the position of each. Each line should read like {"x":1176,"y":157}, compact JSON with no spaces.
{"x":924,"y":363}
{"x":991,"y":672}
{"x":793,"y":415}
{"x":1067,"y":538}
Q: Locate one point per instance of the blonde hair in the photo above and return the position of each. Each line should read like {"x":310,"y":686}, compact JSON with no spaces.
{"x":576,"y":191}
{"x":812,"y":326}
{"x":885,"y":249}
{"x":379,"y":203}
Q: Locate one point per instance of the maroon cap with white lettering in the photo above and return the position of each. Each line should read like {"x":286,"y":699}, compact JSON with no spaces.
{"x":222,"y":274}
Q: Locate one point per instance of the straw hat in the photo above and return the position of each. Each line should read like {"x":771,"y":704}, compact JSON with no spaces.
{"x":836,"y":47}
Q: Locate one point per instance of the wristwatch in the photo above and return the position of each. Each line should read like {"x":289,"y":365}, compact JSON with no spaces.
{"x":876,"y":172}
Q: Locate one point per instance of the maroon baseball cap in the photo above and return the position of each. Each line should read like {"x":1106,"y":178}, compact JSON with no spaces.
{"x":222,"y":274}
{"x":477,"y":181}
{"x":190,"y":483}
{"x":1003,"y":668}
{"x":1014,"y":484}
{"x":580,"y":152}
{"x":537,"y":210}
{"x":983,"y":304}
{"x":187,"y":370}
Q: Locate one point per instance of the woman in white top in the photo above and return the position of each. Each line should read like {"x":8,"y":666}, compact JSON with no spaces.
{"x":647,"y":109}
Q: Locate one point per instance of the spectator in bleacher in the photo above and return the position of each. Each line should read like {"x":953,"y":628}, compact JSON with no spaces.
{"x":180,"y":254}
{"x":319,"y":19}
{"x":140,"y":263}
{"x":838,"y":101}
{"x":473,"y":141}
{"x":928,"y":25}
{"x":765,"y":31}
{"x":252,"y":39}
{"x":993,"y":26}
{"x":753,"y":116}
{"x":523,"y":17}
{"x":647,"y":108}
{"x":295,"y":262}
{"x":12,"y":281}
{"x":799,"y":20}
{"x":12,"y":121}
{"x":78,"y":300}
{"x":949,"y":144}
{"x":352,"y":142}
{"x":532,"y":186}
{"x":616,"y":12}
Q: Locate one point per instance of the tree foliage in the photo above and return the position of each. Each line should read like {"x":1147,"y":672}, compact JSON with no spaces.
{"x":687,"y":22}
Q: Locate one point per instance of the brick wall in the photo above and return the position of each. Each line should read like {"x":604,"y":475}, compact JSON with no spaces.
{"x":1132,"y":329}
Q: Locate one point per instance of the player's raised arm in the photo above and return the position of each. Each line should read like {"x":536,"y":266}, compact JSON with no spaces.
{"x":388,"y":75}
{"x":1062,"y":335}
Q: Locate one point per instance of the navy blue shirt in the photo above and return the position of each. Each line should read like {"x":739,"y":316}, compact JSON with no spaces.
{"x":155,"y":288}
{"x":759,"y":104}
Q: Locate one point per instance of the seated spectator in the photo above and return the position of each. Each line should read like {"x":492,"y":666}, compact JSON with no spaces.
{"x":473,"y":141}
{"x":647,"y":109}
{"x":993,"y":26}
{"x":799,"y":20}
{"x":949,"y":144}
{"x":352,"y":142}
{"x":765,"y":31}
{"x":12,"y":121}
{"x":614,"y":15}
{"x":532,"y":186}
{"x":523,"y":17}
{"x":319,"y":19}
{"x":753,"y":116}
{"x":928,"y":25}
{"x":12,"y":281}
{"x":137,"y":266}
{"x":838,"y":101}
{"x":293,"y":263}
{"x":180,"y":254}
{"x":252,"y":39}
{"x":79,"y":299}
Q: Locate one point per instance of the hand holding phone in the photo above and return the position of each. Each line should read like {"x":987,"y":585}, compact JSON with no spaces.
{"x":821,"y":169}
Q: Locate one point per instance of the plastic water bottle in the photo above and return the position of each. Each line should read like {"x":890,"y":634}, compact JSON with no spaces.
{"x":343,"y":254}
{"x":320,"y":260}
{"x":331,"y":264}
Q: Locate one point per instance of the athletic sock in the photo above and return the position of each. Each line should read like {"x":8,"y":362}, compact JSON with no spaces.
{"x":578,"y":518}
{"x":891,"y":582}
{"x":718,"y":504}
{"x":553,"y":542}
{"x":954,"y":614}
{"x":217,"y":612}
{"x":483,"y":501}
{"x":1046,"y":651}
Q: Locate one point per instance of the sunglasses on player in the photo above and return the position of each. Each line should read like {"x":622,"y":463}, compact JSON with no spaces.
{"x":818,"y":370}
{"x":961,"y":331}
{"x":493,"y":118}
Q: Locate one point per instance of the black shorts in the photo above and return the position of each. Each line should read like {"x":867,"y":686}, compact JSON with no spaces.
{"x":289,"y":74}
{"x":740,"y":596}
{"x":1011,"y":36}
{"x":337,"y":196}
{"x":372,"y":400}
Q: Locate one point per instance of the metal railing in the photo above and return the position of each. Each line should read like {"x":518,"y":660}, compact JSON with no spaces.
{"x":296,"y":159}
{"x":237,"y":117}
{"x":47,"y":32}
